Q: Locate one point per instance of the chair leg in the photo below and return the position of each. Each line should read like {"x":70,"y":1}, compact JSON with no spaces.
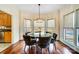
{"x":25,"y":49}
{"x":35,"y":51}
{"x":41,"y":51}
{"x":55,"y":46}
{"x":48,"y":50}
{"x":38,"y":49}
{"x":29,"y":49}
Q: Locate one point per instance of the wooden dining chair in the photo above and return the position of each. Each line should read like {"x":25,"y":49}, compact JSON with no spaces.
{"x":48,"y":32}
{"x":27,"y":33}
{"x":53,"y":39}
{"x":44,"y":43}
{"x":28,"y":42}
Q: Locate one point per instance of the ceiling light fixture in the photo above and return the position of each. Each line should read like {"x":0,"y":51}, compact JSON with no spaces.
{"x":39,"y":10}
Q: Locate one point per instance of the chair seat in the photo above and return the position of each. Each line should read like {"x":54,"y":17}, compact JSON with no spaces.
{"x":52,"y":40}
{"x":43,"y":45}
{"x":33,"y":41}
{"x":28,"y":41}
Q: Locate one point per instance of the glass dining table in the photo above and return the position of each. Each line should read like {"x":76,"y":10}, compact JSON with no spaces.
{"x":36,"y":35}
{"x":39,"y":34}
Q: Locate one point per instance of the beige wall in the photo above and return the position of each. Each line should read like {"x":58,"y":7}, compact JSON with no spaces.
{"x":49,"y":15}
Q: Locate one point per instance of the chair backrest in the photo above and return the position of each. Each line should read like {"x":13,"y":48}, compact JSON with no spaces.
{"x":27,"y":33}
{"x":48,"y":32}
{"x":44,"y":41}
{"x":54,"y":36}
{"x":27,"y":39}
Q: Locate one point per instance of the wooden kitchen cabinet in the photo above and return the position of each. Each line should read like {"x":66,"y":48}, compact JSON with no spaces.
{"x":5,"y":21}
{"x":8,"y":20}
{"x":7,"y":36}
{"x":1,"y":20}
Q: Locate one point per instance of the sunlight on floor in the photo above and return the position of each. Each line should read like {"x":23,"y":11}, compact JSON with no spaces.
{"x":66,"y":51}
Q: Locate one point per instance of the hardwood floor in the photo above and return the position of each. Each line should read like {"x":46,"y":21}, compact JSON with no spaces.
{"x":18,"y":48}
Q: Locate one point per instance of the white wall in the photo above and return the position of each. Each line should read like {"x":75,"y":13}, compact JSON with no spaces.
{"x":15,"y":20}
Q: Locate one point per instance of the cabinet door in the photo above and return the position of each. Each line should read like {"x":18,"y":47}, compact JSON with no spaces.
{"x":1,"y":20}
{"x":7,"y":36}
{"x":8,"y":20}
{"x":5,"y":19}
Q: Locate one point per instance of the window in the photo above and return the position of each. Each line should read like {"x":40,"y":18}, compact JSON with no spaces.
{"x":69,"y":34}
{"x":69,"y":27}
{"x":27,"y":23}
{"x":50,"y":25}
{"x":39,"y":25}
{"x":77,"y":18}
{"x":69,"y":20}
{"x":77,"y":36}
{"x":27,"y":26}
{"x":77,"y":27}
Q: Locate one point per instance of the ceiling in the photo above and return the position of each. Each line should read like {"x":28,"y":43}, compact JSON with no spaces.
{"x":44,"y":8}
{"x":34,"y":8}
